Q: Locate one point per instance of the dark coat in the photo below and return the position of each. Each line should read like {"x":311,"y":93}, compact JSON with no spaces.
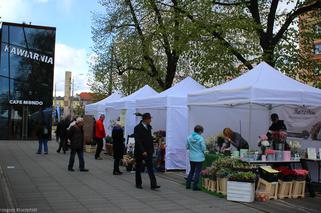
{"x":278,"y":126}
{"x":144,"y":141}
{"x":239,"y":142}
{"x":42,"y":131}
{"x":118,"y":142}
{"x":76,"y":137}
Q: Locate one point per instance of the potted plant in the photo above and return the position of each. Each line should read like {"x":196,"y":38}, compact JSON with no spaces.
{"x":241,"y":187}
{"x":263,"y":143}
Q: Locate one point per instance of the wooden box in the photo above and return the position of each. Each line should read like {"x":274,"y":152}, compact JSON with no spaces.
{"x":211,"y":186}
{"x":269,"y":187}
{"x":90,"y":148}
{"x":298,"y":189}
{"x":205,"y":182}
{"x":285,"y":189}
{"x":221,"y":184}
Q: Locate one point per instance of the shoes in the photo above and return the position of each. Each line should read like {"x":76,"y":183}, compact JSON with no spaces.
{"x":117,"y":173}
{"x":58,"y":151}
{"x":38,"y":153}
{"x":71,"y":170}
{"x":99,"y":158}
{"x":154,"y":187}
{"x":84,"y":170}
{"x":196,"y":189}
{"x":188,"y":187}
{"x":46,"y":153}
{"x":139,"y":187}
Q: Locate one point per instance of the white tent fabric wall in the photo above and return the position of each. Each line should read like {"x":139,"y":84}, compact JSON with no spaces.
{"x":173,"y":102}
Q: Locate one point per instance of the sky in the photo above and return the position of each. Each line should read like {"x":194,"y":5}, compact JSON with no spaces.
{"x":72,"y":19}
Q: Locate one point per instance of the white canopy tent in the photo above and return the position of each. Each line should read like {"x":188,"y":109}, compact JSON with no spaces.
{"x":98,"y":108}
{"x":126,"y":107}
{"x":170,"y":113}
{"x":246,"y":103}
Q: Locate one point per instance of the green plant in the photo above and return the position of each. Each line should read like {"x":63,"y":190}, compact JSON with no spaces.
{"x":243,"y":176}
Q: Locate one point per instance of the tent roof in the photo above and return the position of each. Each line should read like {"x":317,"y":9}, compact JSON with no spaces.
{"x":100,"y":105}
{"x":129,"y":100}
{"x":263,"y":85}
{"x":174,"y":96}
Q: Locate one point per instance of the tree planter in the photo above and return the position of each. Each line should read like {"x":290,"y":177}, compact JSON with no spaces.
{"x":240,"y":191}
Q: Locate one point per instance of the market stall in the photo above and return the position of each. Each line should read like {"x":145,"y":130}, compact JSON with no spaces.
{"x":95,"y":109}
{"x":125,"y":109}
{"x":170,"y":114}
{"x":246,"y":103}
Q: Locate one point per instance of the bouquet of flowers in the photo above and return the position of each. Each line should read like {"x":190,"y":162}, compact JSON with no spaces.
{"x":278,"y":139}
{"x":263,"y":143}
{"x":286,"y":174}
{"x":205,"y":173}
{"x":295,"y":146}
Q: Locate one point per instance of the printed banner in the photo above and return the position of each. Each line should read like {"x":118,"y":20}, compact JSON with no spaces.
{"x":301,"y":121}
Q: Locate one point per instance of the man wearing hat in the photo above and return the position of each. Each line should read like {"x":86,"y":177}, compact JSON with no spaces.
{"x":144,"y":149}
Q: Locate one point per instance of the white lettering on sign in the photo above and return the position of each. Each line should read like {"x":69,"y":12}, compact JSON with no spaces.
{"x":28,"y":54}
{"x":26,"y":102}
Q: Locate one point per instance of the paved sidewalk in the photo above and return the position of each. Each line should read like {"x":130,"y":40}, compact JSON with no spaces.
{"x":43,"y":182}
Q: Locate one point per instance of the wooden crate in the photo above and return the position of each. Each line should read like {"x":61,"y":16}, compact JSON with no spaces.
{"x":205,"y":182}
{"x":90,"y":148}
{"x":240,"y":191}
{"x":285,"y":189}
{"x":298,"y":189}
{"x":267,"y":187}
{"x":211,"y":186}
{"x":221,"y":184}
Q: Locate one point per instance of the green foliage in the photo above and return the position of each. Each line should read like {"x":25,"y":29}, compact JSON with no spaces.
{"x":159,"y":42}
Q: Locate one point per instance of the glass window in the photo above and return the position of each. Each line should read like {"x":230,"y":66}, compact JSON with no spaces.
{"x":317,"y":29}
{"x":4,"y":35}
{"x":4,"y":68}
{"x":317,"y":49}
{"x":16,"y":36}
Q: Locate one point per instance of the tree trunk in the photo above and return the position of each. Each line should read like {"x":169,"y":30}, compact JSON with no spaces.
{"x":172,"y":60}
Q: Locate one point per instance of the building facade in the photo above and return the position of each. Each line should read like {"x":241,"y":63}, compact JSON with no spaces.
{"x":26,"y":79}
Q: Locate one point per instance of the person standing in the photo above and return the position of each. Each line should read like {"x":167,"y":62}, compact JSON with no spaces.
{"x":76,"y":137}
{"x":144,"y":149}
{"x":63,"y":125}
{"x":118,"y":146}
{"x":42,"y":132}
{"x":100,"y":135}
{"x":196,"y":146}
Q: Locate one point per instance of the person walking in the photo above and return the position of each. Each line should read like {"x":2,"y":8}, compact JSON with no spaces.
{"x":76,"y":137}
{"x":118,"y":146}
{"x":63,"y":125}
{"x":196,"y":146}
{"x":144,"y":149}
{"x":42,"y":132}
{"x":100,"y":135}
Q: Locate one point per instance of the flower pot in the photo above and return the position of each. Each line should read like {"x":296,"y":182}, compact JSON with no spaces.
{"x":240,"y":191}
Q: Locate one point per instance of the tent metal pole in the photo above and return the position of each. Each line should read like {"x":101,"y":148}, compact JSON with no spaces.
{"x":250,"y":124}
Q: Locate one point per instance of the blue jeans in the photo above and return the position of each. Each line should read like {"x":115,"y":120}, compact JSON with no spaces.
{"x":196,"y":168}
{"x":44,"y":143}
{"x":80,"y":154}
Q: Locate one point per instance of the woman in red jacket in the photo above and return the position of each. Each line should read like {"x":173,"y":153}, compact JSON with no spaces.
{"x":100,"y":135}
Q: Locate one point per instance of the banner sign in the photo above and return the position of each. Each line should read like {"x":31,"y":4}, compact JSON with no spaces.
{"x":302,"y":121}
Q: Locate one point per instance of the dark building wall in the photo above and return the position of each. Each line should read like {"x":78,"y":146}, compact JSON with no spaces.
{"x":26,"y":79}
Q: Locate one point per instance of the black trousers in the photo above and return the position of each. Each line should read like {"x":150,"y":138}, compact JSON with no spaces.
{"x":80,"y":154}
{"x":150,"y":170}
{"x":116,"y":165}
{"x":100,"y":144}
{"x":62,"y":144}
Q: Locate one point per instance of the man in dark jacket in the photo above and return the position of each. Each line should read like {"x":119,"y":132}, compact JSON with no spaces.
{"x":118,"y":146}
{"x":144,"y":149}
{"x":76,"y":136}
{"x":62,"y":133}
